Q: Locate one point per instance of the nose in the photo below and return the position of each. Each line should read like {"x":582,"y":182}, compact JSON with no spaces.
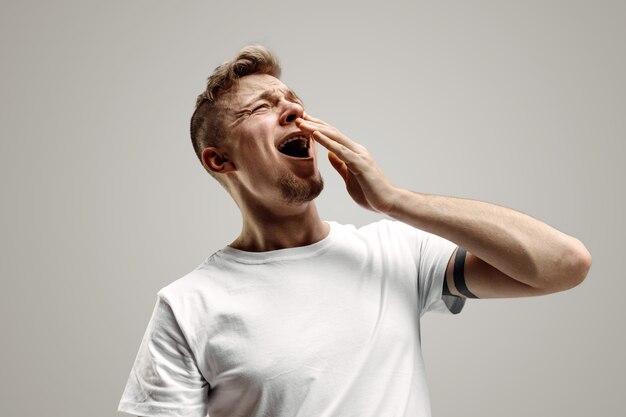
{"x":291,"y":111}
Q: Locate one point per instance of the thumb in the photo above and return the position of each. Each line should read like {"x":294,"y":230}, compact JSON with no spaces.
{"x":339,"y":165}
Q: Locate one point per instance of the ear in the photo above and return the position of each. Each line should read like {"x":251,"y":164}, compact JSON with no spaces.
{"x":217,"y":161}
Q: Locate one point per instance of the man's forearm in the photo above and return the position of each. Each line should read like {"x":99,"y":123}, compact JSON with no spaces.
{"x":518,"y":245}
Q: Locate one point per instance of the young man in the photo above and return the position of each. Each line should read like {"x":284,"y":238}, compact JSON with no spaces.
{"x":300,"y":316}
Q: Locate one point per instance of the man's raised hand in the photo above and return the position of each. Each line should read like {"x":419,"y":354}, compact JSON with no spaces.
{"x":365,"y":182}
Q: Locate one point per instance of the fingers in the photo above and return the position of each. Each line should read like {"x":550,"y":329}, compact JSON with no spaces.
{"x":307,"y":116}
{"x":311,"y":125}
{"x":339,"y":150}
{"x":339,"y":165}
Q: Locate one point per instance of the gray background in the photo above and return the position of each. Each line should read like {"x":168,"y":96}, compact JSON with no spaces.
{"x":521,"y":104}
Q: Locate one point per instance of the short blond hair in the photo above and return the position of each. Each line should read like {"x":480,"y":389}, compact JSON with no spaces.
{"x":206,"y":125}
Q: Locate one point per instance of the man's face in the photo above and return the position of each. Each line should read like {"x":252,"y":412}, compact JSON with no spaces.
{"x":273,"y":159}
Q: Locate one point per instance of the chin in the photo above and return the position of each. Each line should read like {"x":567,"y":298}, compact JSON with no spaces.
{"x":296,"y":190}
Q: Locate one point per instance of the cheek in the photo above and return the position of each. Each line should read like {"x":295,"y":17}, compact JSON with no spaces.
{"x":258,"y":158}
{"x":255,"y":152}
{"x":258,"y":151}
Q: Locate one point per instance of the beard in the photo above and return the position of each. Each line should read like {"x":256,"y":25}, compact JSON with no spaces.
{"x":295,"y":190}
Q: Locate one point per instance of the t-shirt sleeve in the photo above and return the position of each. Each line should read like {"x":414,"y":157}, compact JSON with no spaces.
{"x":431,"y":255}
{"x":164,"y":380}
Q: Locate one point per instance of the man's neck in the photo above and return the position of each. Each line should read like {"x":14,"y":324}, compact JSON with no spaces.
{"x":264,"y":230}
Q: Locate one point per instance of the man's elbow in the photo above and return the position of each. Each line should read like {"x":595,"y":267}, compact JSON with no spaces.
{"x":576,"y":266}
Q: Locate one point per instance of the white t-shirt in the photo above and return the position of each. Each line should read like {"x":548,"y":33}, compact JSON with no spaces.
{"x":328,"y":329}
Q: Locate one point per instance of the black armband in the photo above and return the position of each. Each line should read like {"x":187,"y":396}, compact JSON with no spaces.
{"x":446,"y":289}
{"x":459,"y":273}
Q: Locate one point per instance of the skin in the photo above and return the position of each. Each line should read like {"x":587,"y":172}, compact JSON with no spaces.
{"x":509,"y":254}
{"x":252,"y":167}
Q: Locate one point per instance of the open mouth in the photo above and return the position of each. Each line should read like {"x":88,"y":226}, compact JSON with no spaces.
{"x":296,"y":147}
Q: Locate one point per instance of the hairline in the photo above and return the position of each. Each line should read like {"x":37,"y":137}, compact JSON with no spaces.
{"x":208,"y":125}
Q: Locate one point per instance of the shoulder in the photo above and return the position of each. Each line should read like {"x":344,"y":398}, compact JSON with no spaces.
{"x":193,"y":288}
{"x":392,"y":230}
{"x":385,"y":236}
{"x":371,"y":232}
{"x":367,"y":229}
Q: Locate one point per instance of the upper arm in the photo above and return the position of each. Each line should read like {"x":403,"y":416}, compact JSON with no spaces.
{"x":485,"y":281}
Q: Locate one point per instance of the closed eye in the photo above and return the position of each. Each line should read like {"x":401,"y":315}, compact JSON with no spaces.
{"x":260,"y":107}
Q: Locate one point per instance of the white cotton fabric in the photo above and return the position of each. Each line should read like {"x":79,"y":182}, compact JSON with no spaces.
{"x":328,"y":329}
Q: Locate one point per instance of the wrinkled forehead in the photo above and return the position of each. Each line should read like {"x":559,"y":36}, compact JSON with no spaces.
{"x":251,"y":86}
